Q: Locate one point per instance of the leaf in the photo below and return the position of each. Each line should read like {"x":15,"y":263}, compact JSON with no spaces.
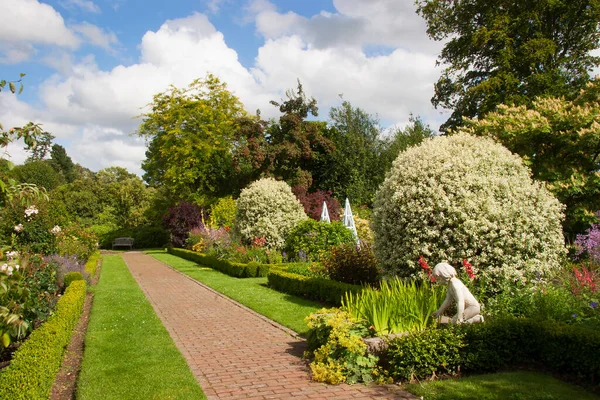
{"x":21,"y":88}
{"x":12,"y":87}
{"x":5,"y":339}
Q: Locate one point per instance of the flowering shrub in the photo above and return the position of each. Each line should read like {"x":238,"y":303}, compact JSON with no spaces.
{"x":74,"y":241}
{"x":65,"y":265}
{"x":181,"y":219}
{"x":462,"y":197}
{"x":267,"y":208}
{"x":588,"y":243}
{"x":313,"y":203}
{"x":314,"y":237}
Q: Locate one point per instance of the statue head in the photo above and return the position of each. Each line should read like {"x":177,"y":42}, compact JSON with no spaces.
{"x":443,"y":272}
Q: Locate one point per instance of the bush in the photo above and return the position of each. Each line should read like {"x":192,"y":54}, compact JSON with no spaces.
{"x":462,"y":197}
{"x":66,"y":265}
{"x":237,"y":270}
{"x":92,"y":264}
{"x":421,"y":355}
{"x":33,"y":369}
{"x":268,"y":208}
{"x":73,"y":240}
{"x":315,"y":237}
{"x":145,"y":237}
{"x":319,"y":289}
{"x":313,"y":203}
{"x":181,"y":219}
{"x":222,"y":213}
{"x":352,"y":264}
{"x":70,"y":277}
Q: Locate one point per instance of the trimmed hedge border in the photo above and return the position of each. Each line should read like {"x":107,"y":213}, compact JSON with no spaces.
{"x":36,"y":363}
{"x":320,"y":289}
{"x":92,"y":264}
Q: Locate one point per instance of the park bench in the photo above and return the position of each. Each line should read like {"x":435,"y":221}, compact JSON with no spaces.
{"x":123,"y":242}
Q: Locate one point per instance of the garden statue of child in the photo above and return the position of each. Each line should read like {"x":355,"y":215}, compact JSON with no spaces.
{"x":467,"y":307}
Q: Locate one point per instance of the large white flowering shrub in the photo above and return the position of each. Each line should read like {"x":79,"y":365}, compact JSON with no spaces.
{"x":464,"y":197}
{"x":268,"y":208}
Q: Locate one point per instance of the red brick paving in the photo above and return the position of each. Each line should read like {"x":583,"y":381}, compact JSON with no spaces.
{"x":233,"y":352}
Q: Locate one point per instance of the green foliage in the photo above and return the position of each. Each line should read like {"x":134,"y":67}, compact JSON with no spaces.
{"x":190,"y":134}
{"x":558,"y":139}
{"x":397,"y":306}
{"x":145,"y":237}
{"x":267,"y":208}
{"x":73,"y":240}
{"x":222,"y":213}
{"x":70,"y":277}
{"x":34,"y":366}
{"x":314,"y":238}
{"x":401,"y":139}
{"x":92,"y":263}
{"x":510,"y":54}
{"x":235,"y":269}
{"x":321,"y":289}
{"x":340,"y":355}
{"x":351,"y":264}
{"x":126,"y":194}
{"x":62,"y":163}
{"x":39,"y":173}
{"x":425,"y":354}
{"x":463,"y":197}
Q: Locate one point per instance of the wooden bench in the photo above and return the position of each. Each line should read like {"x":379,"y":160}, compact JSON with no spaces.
{"x":123,"y":242}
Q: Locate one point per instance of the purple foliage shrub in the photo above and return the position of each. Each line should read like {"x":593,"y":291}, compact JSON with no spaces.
{"x":313,"y":203}
{"x":181,"y":219}
{"x":588,"y":243}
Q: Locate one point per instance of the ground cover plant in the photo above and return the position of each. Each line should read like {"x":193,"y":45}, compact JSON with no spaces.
{"x":522,"y":385}
{"x":128,"y":352}
{"x":285,"y":309}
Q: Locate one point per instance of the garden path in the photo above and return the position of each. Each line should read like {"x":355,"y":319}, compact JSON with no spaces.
{"x":233,"y":352}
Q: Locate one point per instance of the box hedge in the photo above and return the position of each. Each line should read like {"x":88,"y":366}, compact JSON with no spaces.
{"x":36,"y":363}
{"x":320,"y":289}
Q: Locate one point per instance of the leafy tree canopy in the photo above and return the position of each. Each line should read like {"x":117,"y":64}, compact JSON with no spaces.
{"x":510,"y":51}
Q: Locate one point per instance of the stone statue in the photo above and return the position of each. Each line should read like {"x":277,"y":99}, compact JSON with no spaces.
{"x":467,"y":307}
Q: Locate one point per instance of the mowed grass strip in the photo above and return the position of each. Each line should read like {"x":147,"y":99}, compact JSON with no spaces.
{"x":521,"y":385}
{"x":128,"y":352}
{"x":289,"y":311}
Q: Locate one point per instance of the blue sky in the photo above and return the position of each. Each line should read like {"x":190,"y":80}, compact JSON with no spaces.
{"x":92,"y":65}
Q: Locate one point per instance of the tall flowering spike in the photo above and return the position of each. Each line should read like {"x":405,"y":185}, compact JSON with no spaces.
{"x":468,"y":268}
{"x":426,"y":268}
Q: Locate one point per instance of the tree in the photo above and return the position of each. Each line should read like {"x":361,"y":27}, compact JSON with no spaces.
{"x":62,"y":163}
{"x":509,"y":51}
{"x":190,"y":133}
{"x":560,"y":140}
{"x":126,"y":194}
{"x":411,"y":135}
{"x":39,"y":173}
{"x":290,"y":149}
{"x":44,"y":141}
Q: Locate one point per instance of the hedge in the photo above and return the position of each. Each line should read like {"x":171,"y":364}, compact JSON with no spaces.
{"x":237,"y":270}
{"x":92,"y":264}
{"x":36,"y":363}
{"x":496,"y":344}
{"x":320,"y":289}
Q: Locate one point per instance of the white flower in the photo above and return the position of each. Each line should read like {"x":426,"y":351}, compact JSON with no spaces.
{"x":31,"y":210}
{"x":10,"y":270}
{"x":12,"y":254}
{"x":55,"y":230}
{"x":18,"y":228}
{"x":17,"y":267}
{"x":4,"y":267}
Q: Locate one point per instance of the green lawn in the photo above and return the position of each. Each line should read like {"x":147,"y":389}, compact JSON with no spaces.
{"x":501,"y":386}
{"x":285,"y":309}
{"x":128,"y":352}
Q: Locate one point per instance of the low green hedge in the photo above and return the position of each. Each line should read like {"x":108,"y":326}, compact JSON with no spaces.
{"x":320,"y":289}
{"x":70,"y":277}
{"x":497,"y":344}
{"x":92,"y":264}
{"x":35,"y":365}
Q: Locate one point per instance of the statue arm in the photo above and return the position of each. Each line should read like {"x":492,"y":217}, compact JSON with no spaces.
{"x":460,"y":304}
{"x":445,"y":304}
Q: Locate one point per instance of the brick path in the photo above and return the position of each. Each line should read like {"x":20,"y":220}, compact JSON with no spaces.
{"x":233,"y":352}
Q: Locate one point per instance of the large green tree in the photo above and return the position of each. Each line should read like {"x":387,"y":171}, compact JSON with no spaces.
{"x":560,"y":140}
{"x":510,"y":51}
{"x":190,"y":137}
{"x":62,"y":163}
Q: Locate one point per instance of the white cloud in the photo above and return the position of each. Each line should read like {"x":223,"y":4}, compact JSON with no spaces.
{"x":96,"y":36}
{"x":84,"y":5}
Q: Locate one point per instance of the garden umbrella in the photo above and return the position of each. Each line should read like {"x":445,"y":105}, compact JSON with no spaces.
{"x":348,"y":219}
{"x":325,"y":213}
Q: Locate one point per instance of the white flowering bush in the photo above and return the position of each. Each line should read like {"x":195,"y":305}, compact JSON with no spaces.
{"x":268,"y":208}
{"x":465,"y":197}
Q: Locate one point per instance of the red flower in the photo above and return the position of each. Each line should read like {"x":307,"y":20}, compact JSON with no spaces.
{"x":468,"y":268}
{"x":426,"y":268}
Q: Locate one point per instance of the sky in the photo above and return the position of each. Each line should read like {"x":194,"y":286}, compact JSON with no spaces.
{"x":92,"y":66}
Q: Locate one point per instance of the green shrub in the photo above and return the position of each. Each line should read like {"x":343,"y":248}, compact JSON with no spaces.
{"x":71,"y":277}
{"x":34,"y":366}
{"x":352,"y":264}
{"x":73,"y":240}
{"x":222,"y":213}
{"x":320,"y":289}
{"x":267,"y":208}
{"x":463,"y":197}
{"x":314,"y":237}
{"x":237,"y":270}
{"x":423,"y":354}
{"x":145,"y":237}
